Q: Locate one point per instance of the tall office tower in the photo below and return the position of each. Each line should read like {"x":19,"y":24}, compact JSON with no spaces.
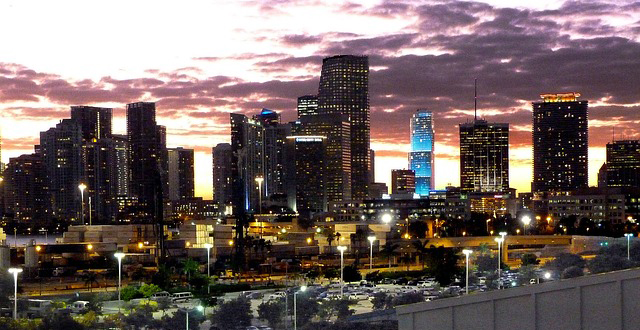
{"x":275,"y":135}
{"x":181,"y":174}
{"x":95,"y":121}
{"x":403,"y":181}
{"x":309,"y":166}
{"x":61,"y":149}
{"x":560,"y":143}
{"x":100,"y":157}
{"x":247,"y":162}
{"x":307,"y":105}
{"x":484,"y":156}
{"x":623,"y":163}
{"x":337,"y":130}
{"x":421,"y":157}
{"x":344,"y":89}
{"x":372,"y":166}
{"x":26,"y":193}
{"x":221,"y":154}
{"x":121,"y":143}
{"x":602,"y":176}
{"x":146,"y":159}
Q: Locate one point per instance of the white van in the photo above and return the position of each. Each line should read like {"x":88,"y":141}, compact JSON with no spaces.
{"x":181,"y":296}
{"x":79,"y":306}
{"x":159,"y":295}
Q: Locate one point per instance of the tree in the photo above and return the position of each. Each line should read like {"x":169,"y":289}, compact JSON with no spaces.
{"x":272,"y":312}
{"x":389,"y":250}
{"x":59,"y":322}
{"x":189,"y":266}
{"x":529,"y":259}
{"x":307,"y":306}
{"x":380,"y":300}
{"x":573,"y":271}
{"x":418,"y":229}
{"x":139,"y":318}
{"x":443,"y":263}
{"x":162,"y":277}
{"x":526,"y":274}
{"x":179,"y":319}
{"x":147,"y":290}
{"x":313,"y":274}
{"x":130,"y":292}
{"x":421,"y":249}
{"x":610,"y":258}
{"x":564,"y":261}
{"x":330,"y":273}
{"x":407,"y":298}
{"x":351,"y":274}
{"x":89,"y":279}
{"x":164,"y":303}
{"x":232,"y":313}
{"x":338,"y":308}
{"x":331,"y":236}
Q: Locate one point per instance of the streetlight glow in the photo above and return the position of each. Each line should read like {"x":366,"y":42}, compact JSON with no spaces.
{"x":295,"y":306}
{"x":371,"y":240}
{"x":15,"y":272}
{"x":342,"y":248}
{"x":119,"y":256}
{"x":208,"y":247}
{"x":386,"y":218}
{"x":466,"y":254}
{"x":82,"y":187}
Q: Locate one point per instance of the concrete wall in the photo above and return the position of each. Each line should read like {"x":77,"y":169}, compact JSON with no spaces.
{"x":605,"y":301}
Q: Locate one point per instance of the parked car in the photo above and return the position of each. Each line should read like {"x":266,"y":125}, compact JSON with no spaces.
{"x":277,"y":295}
{"x":358,"y":296}
{"x":426,"y":284}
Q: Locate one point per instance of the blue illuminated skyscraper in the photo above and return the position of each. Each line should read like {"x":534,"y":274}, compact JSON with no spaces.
{"x":421,"y":158}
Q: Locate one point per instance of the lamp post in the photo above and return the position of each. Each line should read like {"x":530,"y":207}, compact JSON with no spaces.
{"x":119,"y":256}
{"x":488,"y":220}
{"x":208,"y":247}
{"x":628,"y":236}
{"x":15,"y":272}
{"x":341,"y":248}
{"x":259,"y":181}
{"x":499,"y":240}
{"x":466,"y":254}
{"x":295,"y":307}
{"x":371,"y":240}
{"x":82,"y":187}
{"x":526,"y":220}
{"x":501,"y":245}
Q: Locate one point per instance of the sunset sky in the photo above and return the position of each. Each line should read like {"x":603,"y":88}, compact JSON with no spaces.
{"x":201,"y":60}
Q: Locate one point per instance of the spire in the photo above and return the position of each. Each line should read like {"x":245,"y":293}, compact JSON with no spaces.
{"x":475,"y":99}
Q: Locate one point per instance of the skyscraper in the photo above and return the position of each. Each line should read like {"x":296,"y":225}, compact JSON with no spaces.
{"x":307,"y":105}
{"x":338,"y":172}
{"x":403,"y":181}
{"x":372,"y":166}
{"x":247,"y":162}
{"x":145,"y":159}
{"x":100,"y":178}
{"x":307,"y":153}
{"x":275,"y":135}
{"x":221,"y":154}
{"x":25,"y":189}
{"x":560,"y":143}
{"x":181,"y":174}
{"x":623,"y":163}
{"x":421,"y":157}
{"x":121,"y":143}
{"x":344,"y":89}
{"x":94,"y":121}
{"x":61,"y":149}
{"x":484,"y":156}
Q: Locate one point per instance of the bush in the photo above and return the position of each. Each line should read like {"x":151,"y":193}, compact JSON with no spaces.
{"x":573,"y":271}
{"x":130,"y":292}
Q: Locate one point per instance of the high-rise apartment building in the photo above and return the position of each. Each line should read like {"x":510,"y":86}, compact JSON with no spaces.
{"x":307,"y":105}
{"x":484,"y":156}
{"x":222,"y":170}
{"x":146,"y":159}
{"x":94,"y":121}
{"x":560,"y":143}
{"x":421,"y":157}
{"x":181,"y":174}
{"x":623,"y":163}
{"x":25,"y":189}
{"x":338,"y":172}
{"x":121,"y":143}
{"x":275,"y":135}
{"x":61,"y":149}
{"x":403,"y":181}
{"x":372,"y":166}
{"x":100,"y":157}
{"x":247,"y":162}
{"x":344,"y":89}
{"x":307,"y":157}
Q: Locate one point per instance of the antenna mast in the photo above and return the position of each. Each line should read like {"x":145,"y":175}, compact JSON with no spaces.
{"x":475,"y":99}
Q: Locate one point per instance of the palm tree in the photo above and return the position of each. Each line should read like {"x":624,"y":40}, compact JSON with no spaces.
{"x":189,"y":266}
{"x":421,"y":249}
{"x":389,"y":250}
{"x":89,"y":279}
{"x":331,"y":236}
{"x":357,"y":239}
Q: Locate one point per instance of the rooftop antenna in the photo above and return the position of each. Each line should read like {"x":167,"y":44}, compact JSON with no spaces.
{"x":475,"y":99}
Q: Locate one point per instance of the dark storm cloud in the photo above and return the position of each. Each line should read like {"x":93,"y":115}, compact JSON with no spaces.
{"x":300,"y":39}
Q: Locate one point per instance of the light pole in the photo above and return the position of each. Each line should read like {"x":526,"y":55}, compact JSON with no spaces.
{"x":119,"y":256}
{"x":371,"y":240}
{"x":295,"y":307}
{"x":208,"y":247}
{"x":89,"y":210}
{"x":499,"y":240}
{"x":628,"y":235}
{"x":501,"y":245}
{"x":488,"y":220}
{"x":466,"y":254}
{"x":15,"y":272}
{"x":341,"y":248}
{"x":526,"y":220}
{"x":259,"y":181}
{"x":82,"y":187}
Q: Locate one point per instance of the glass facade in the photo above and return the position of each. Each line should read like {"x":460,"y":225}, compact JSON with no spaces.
{"x":421,"y":159}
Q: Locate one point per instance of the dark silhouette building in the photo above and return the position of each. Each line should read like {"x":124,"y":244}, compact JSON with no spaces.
{"x":94,"y":121}
{"x":344,"y":89}
{"x":560,"y":143}
{"x":623,"y":163}
{"x":247,"y":162}
{"x":181,"y":174}
{"x":403,"y":181}
{"x":307,"y":157}
{"x":484,"y":156}
{"x":25,"y":189}
{"x":222,"y":170}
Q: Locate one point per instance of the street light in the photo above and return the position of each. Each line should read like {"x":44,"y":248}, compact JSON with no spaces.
{"x":628,"y":235}
{"x":119,"y":256}
{"x":259,"y":181}
{"x":295,"y":307}
{"x":82,"y":187}
{"x":341,"y":248}
{"x":499,"y":240}
{"x":386,"y":218}
{"x":208,"y":247}
{"x":371,"y":240}
{"x":466,"y":254}
{"x":15,"y":272}
{"x":488,"y":220}
{"x":199,"y":308}
{"x":526,"y":220}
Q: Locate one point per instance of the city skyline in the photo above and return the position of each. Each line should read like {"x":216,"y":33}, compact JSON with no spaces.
{"x":428,"y":61}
